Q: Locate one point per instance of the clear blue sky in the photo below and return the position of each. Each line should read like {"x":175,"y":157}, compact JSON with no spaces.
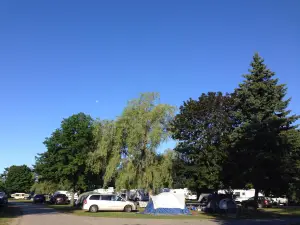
{"x":58,"y":57}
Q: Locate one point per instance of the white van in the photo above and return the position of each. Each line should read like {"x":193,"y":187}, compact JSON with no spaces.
{"x":20,"y":196}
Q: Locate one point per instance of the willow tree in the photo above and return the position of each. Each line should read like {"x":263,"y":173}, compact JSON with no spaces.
{"x":139,"y":131}
{"x":107,"y":152}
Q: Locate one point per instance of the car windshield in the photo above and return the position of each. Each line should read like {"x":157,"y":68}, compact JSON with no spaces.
{"x":60,"y":196}
{"x":2,"y":194}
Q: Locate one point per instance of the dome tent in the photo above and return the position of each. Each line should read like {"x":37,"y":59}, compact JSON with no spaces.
{"x":167,"y":203}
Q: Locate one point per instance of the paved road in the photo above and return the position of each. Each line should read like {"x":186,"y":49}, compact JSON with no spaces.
{"x":42,"y":215}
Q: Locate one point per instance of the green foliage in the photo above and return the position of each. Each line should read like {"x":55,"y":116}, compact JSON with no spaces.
{"x":47,"y":187}
{"x":202,"y":128}
{"x":107,"y":147}
{"x":67,"y":150}
{"x":2,"y":186}
{"x":261,"y":120}
{"x":138,"y":132}
{"x":18,"y":179}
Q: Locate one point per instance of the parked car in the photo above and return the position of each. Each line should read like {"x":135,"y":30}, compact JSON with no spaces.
{"x":59,"y":199}
{"x":261,"y":202}
{"x":39,"y":199}
{"x":3,"y":198}
{"x":107,"y":202}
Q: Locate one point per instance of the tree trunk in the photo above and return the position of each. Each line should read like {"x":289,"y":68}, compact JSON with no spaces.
{"x":72,"y":199}
{"x":256,"y":195}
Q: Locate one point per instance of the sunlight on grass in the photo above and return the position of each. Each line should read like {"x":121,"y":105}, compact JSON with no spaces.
{"x":79,"y":212}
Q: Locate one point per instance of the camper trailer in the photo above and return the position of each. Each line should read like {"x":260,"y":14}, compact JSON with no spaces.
{"x":187,"y":193}
{"x":241,"y":195}
{"x":20,"y":196}
{"x":109,"y":190}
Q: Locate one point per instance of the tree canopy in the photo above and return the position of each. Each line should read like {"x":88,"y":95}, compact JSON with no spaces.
{"x":67,"y":150}
{"x":128,"y":146}
{"x":18,"y":179}
{"x":202,"y":128}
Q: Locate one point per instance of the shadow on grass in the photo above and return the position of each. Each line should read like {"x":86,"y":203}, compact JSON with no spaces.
{"x":275,"y":216}
{"x":9,"y":211}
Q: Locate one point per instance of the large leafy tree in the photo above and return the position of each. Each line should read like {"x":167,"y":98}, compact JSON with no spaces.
{"x":138,"y":133}
{"x":67,"y":150}
{"x":108,"y":146}
{"x":18,"y":179}
{"x":202,"y":128}
{"x":261,"y":118}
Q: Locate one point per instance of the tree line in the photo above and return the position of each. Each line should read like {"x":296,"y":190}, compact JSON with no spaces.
{"x":244,"y":139}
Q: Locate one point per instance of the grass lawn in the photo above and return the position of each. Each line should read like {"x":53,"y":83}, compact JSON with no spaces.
{"x":286,"y":212}
{"x":245,"y":214}
{"x":8,"y":213}
{"x":19,"y":200}
{"x":79,"y":212}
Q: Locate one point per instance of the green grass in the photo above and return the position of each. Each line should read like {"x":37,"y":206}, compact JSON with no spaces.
{"x":271,"y":213}
{"x":79,"y":212}
{"x":19,"y":200}
{"x":8,"y":214}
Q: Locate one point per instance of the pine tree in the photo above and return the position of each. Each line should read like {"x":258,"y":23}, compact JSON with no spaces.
{"x":261,"y":117}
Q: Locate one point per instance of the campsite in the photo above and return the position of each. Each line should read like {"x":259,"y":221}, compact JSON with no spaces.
{"x":158,"y":112}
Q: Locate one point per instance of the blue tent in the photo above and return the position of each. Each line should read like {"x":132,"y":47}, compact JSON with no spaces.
{"x":167,"y":203}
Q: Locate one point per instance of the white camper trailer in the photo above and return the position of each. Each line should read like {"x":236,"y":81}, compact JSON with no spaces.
{"x":187,"y":193}
{"x":241,"y":195}
{"x":20,"y":196}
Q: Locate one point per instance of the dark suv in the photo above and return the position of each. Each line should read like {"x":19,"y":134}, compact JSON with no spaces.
{"x":261,"y":202}
{"x":39,"y":199}
{"x":59,"y":199}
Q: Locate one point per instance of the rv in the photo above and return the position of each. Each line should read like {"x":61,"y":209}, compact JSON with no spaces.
{"x":20,"y":196}
{"x":187,"y":193}
{"x":241,"y":195}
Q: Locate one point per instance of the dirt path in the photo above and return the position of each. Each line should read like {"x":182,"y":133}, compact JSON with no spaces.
{"x":42,"y":215}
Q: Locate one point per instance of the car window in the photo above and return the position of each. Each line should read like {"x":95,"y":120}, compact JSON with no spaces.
{"x":118,"y":198}
{"x":107,"y":197}
{"x":94,"y":197}
{"x":238,"y":194}
{"x":251,"y":198}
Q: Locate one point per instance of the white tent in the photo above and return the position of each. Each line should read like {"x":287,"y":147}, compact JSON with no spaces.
{"x":167,"y":203}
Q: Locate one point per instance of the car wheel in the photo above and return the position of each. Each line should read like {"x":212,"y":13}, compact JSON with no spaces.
{"x":128,"y":208}
{"x":93,"y":209}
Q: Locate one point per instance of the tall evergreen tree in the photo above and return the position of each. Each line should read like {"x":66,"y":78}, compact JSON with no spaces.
{"x":261,"y":117}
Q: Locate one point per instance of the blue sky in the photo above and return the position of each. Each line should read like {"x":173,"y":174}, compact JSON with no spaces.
{"x":58,"y":57}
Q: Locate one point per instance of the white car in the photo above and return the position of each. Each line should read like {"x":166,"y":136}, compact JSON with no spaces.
{"x":107,"y":202}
